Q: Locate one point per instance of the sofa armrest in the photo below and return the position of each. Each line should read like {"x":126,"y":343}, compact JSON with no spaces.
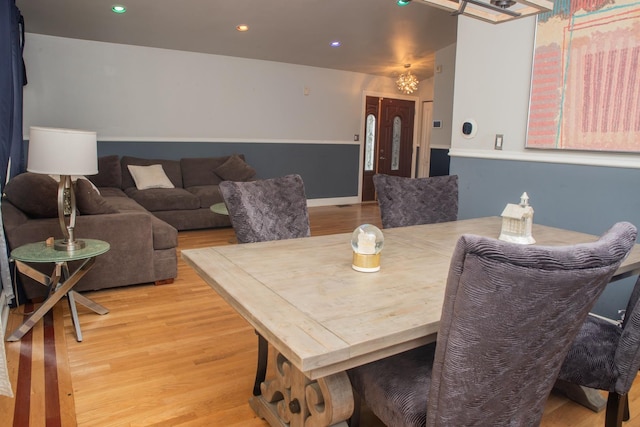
{"x":130,"y":260}
{"x":104,"y":227}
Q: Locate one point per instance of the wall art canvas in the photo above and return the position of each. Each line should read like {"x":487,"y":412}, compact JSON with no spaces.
{"x":585,"y":89}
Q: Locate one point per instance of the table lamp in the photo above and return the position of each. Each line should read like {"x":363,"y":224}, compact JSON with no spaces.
{"x":63,"y":152}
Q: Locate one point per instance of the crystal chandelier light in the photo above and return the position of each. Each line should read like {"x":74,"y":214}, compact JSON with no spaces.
{"x":407,"y":82}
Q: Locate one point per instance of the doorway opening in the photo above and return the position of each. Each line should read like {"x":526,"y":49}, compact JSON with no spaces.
{"x":388,"y":145}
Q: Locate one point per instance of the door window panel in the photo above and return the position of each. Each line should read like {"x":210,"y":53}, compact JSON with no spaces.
{"x":395,"y":143}
{"x":370,"y":143}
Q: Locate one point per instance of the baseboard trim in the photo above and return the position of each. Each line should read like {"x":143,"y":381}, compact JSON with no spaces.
{"x":333,"y":201}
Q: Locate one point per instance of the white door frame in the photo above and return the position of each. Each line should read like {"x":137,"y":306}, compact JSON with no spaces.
{"x":425,"y":140}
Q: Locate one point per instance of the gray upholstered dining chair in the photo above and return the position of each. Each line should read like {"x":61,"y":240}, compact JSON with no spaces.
{"x":509,"y":316}
{"x":606,"y":356}
{"x":412,"y":201}
{"x":268,"y":209}
{"x":263,"y":210}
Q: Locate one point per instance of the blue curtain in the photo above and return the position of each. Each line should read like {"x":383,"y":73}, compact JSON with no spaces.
{"x":12,"y":79}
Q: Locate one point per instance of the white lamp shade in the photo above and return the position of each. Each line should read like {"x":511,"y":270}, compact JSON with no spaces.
{"x":62,"y":151}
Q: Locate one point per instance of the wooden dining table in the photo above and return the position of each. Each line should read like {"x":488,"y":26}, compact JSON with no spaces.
{"x":322,"y":317}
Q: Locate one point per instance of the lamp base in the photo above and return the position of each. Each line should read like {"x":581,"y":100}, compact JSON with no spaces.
{"x":369,"y":263}
{"x":69,"y":246}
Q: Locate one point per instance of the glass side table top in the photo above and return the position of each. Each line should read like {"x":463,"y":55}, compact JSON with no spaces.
{"x":40,"y":252}
{"x":219,"y":208}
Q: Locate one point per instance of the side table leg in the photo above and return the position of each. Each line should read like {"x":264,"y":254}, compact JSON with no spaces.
{"x":74,"y":297}
{"x":89,"y":303}
{"x":74,"y":315}
{"x":52,"y":300}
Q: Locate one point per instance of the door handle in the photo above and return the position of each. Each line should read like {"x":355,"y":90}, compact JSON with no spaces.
{"x":382,"y":158}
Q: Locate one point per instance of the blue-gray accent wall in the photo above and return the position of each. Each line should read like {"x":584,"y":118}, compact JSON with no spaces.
{"x":583,"y":198}
{"x":328,"y":170}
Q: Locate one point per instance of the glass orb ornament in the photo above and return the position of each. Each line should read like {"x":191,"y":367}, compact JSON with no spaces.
{"x":367,"y":242}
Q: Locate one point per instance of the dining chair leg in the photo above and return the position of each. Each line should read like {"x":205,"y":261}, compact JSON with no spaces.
{"x":616,"y":405}
{"x":261,"y":370}
{"x":627,"y":415}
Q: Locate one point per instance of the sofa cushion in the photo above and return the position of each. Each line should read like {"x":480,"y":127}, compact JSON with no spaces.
{"x":89,"y":201}
{"x":109,"y":172}
{"x":125,"y":204}
{"x":112,"y":192}
{"x":194,"y":219}
{"x":235,"y":169}
{"x":207,"y":194}
{"x":151,"y":176}
{"x":164,"y":199}
{"x":200,"y":171}
{"x":34,"y":194}
{"x":171,"y":169}
{"x":74,"y":179}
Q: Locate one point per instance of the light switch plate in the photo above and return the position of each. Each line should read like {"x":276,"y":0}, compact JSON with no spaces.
{"x":498,"y":143}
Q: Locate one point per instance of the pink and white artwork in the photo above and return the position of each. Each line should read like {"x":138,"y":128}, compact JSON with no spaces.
{"x":585,"y":89}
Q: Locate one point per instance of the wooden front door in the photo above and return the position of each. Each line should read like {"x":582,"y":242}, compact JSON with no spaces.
{"x":388,"y":140}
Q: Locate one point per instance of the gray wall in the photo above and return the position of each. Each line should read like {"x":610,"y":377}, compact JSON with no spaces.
{"x":582,"y":198}
{"x":328,"y":170}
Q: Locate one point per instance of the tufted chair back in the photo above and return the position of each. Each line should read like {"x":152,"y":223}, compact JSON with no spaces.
{"x":509,"y":316}
{"x":627,"y":357}
{"x":606,"y":356}
{"x":413,"y":201}
{"x":264,"y":210}
{"x":269,"y":209}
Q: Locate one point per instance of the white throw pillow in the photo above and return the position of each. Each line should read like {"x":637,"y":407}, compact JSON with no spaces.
{"x":150,"y":177}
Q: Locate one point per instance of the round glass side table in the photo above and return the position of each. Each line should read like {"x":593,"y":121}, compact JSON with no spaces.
{"x":219,"y":208}
{"x":60,"y":283}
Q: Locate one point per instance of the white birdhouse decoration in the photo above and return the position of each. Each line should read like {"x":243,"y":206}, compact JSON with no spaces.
{"x":517,"y":222}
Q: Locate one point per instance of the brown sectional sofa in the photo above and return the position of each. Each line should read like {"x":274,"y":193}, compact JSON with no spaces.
{"x":140,"y":225}
{"x":187,"y":206}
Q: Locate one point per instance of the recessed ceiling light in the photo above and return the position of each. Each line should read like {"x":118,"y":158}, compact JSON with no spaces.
{"x":118,"y":8}
{"x":242,"y":28}
{"x":336,"y":43}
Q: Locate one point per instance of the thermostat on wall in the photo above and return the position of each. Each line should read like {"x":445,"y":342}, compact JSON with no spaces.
{"x":469,"y":128}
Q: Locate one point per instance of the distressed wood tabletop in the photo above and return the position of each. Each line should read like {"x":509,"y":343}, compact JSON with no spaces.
{"x":303,"y":296}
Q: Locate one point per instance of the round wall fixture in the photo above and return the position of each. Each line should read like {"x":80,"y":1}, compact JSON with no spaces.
{"x":469,"y":128}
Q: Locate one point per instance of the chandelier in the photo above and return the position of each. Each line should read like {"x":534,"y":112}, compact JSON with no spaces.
{"x":407,"y":83}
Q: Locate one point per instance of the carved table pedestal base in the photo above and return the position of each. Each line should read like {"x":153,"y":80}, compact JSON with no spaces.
{"x":293,"y":400}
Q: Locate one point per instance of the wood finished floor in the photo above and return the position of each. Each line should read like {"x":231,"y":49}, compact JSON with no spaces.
{"x":178,"y":355}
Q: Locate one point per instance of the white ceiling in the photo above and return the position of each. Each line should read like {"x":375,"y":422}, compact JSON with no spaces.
{"x":377,"y":36}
